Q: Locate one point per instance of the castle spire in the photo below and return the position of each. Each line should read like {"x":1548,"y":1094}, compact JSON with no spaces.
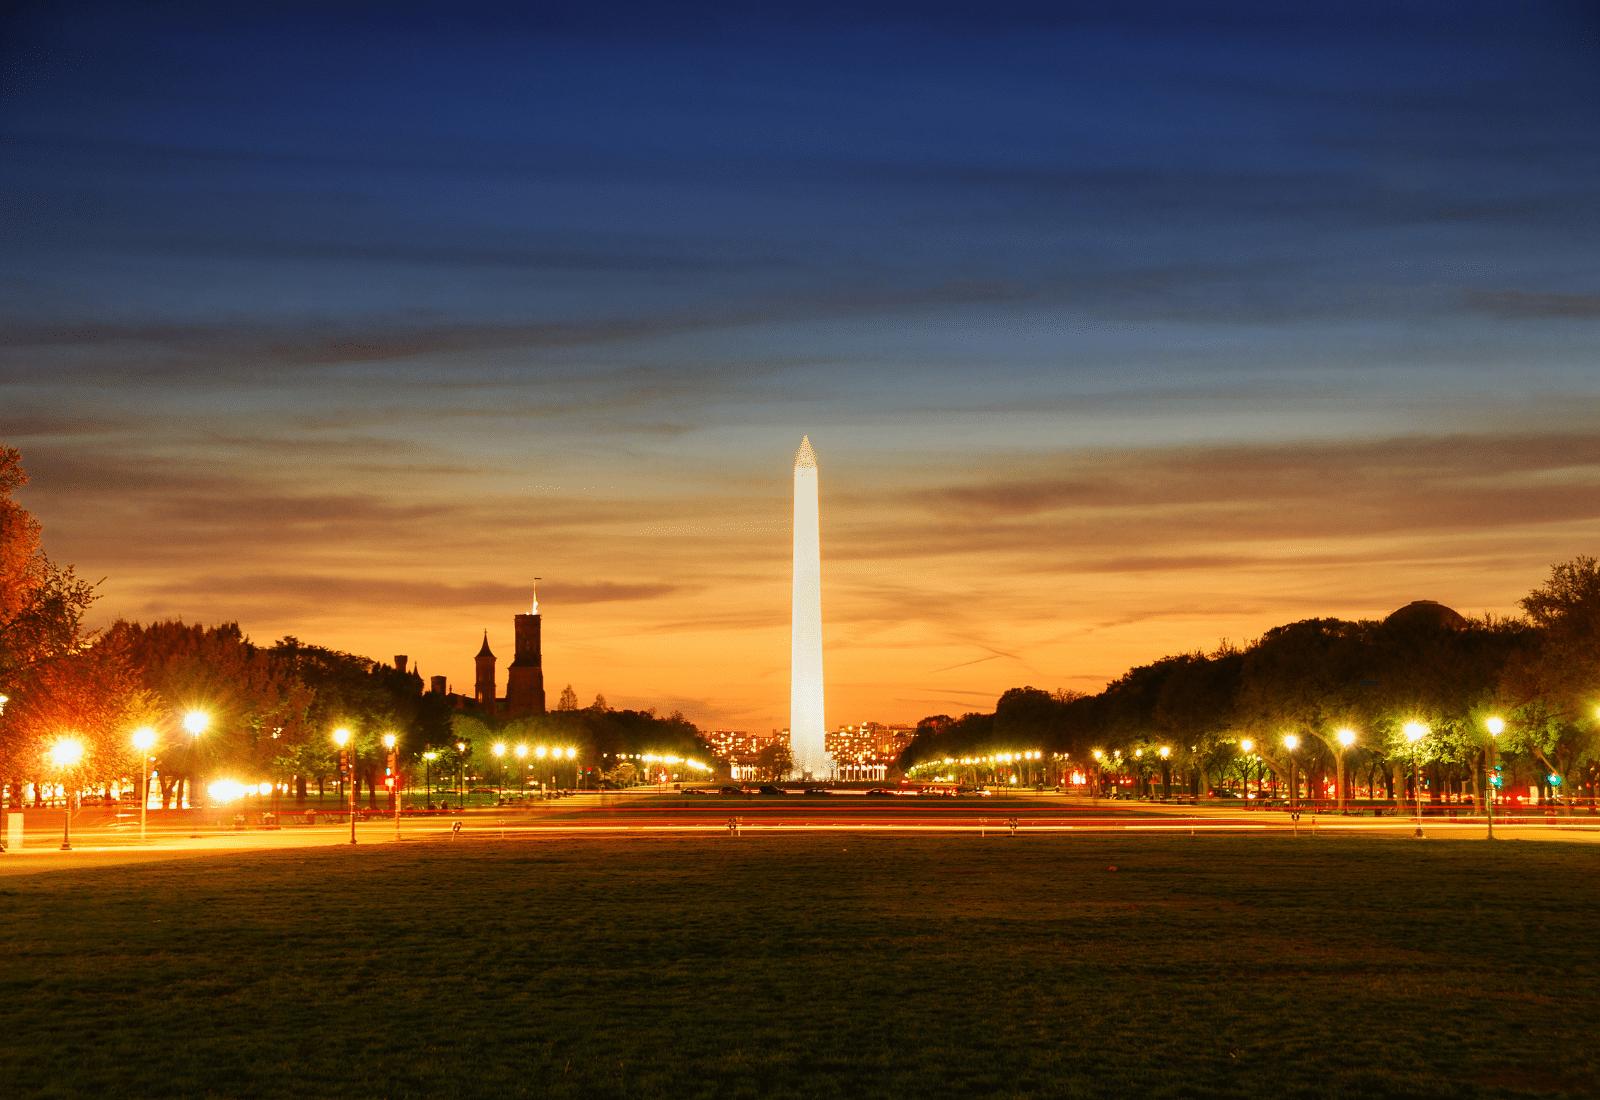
{"x":486,"y":651}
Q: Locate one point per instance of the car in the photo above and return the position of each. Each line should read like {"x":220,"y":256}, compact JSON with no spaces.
{"x":1221,"y":792}
{"x":730,"y":790}
{"x":818,"y":791}
{"x":695,"y":790}
{"x":768,"y":788}
{"x":881,"y":792}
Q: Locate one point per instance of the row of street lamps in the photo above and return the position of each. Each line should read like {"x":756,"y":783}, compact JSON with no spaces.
{"x":1414,"y":732}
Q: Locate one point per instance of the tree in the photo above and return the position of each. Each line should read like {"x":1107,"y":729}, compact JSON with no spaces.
{"x":255,"y":703}
{"x":774,"y":761}
{"x":60,"y":680}
{"x":569,"y":699}
{"x":1554,"y":683}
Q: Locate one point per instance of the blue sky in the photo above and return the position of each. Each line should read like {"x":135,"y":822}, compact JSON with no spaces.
{"x":1117,"y":332}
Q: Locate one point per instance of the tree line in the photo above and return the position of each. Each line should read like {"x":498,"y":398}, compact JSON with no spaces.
{"x":269,"y":710}
{"x":1424,"y":666}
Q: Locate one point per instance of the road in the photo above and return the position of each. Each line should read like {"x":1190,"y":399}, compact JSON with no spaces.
{"x":649,"y":813}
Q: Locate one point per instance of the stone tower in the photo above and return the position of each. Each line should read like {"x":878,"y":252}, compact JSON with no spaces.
{"x":807,"y":740}
{"x":525,"y":686}
{"x":484,"y":691}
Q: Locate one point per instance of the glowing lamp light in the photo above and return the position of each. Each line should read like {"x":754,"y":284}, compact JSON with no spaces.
{"x":499,"y":748}
{"x":196,"y":722}
{"x":265,"y":788}
{"x":66,"y":753}
{"x":461,"y":746}
{"x":1415,"y":731}
{"x":430,"y":756}
{"x":1165,"y":752}
{"x":1346,"y":738}
{"x":1291,"y":742}
{"x":1496,"y":727}
{"x":1098,"y":755}
{"x":144,"y":740}
{"x":1247,"y":745}
{"x":388,"y":740}
{"x":571,"y":753}
{"x":539,"y":752}
{"x":341,"y":737}
{"x":226,"y":790}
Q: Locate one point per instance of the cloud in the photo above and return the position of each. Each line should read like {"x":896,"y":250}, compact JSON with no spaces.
{"x":1521,"y":305}
{"x":328,"y":592}
{"x":129,"y":354}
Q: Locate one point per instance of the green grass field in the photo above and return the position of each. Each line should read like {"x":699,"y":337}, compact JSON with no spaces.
{"x":812,"y":966}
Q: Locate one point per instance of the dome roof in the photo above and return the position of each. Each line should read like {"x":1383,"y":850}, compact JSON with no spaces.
{"x":1428,"y":613}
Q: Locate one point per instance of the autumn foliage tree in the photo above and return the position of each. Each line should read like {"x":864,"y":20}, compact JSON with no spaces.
{"x":60,"y":680}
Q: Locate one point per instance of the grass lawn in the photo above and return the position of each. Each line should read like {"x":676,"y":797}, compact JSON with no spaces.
{"x":812,"y":966}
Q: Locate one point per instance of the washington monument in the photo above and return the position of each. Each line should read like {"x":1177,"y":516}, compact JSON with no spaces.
{"x":805,"y":660}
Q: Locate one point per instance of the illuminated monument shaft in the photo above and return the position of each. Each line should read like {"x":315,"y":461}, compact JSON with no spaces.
{"x":805,"y":660}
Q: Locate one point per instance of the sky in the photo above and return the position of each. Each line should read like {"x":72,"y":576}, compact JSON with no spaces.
{"x":1118,"y":330}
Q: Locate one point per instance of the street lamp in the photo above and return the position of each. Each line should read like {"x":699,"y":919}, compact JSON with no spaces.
{"x":144,"y":740}
{"x":65,"y":754}
{"x":522,"y":771}
{"x":1416,"y":731}
{"x":499,"y":750}
{"x":1346,"y":738}
{"x":1496,"y":727}
{"x":1291,"y":742}
{"x":195,"y":722}
{"x":427,"y":777}
{"x":341,"y":737}
{"x":392,"y":766}
{"x":1247,"y":745}
{"x":461,"y":770}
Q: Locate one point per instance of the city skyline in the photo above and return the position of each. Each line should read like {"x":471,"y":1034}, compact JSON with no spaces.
{"x":1123,"y":333}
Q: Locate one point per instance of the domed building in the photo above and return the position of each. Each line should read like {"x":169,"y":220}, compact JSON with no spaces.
{"x":1426,"y":614}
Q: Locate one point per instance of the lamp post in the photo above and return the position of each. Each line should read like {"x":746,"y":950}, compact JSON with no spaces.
{"x":1291,"y":742}
{"x":1415,"y":732}
{"x":1346,"y":738}
{"x":522,"y":771}
{"x":341,"y":737}
{"x":1496,"y":727}
{"x":65,"y":754}
{"x":499,"y":750}
{"x":144,"y":740}
{"x":195,"y":722}
{"x":427,"y":781}
{"x":394,"y":779}
{"x":461,"y":771}
{"x":1248,"y":746}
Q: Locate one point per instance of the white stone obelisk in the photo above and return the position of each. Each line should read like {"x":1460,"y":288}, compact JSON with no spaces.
{"x":806,"y":726}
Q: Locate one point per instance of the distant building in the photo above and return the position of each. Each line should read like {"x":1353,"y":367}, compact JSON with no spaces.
{"x":867,"y":751}
{"x":740,"y":749}
{"x":524,"y":695}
